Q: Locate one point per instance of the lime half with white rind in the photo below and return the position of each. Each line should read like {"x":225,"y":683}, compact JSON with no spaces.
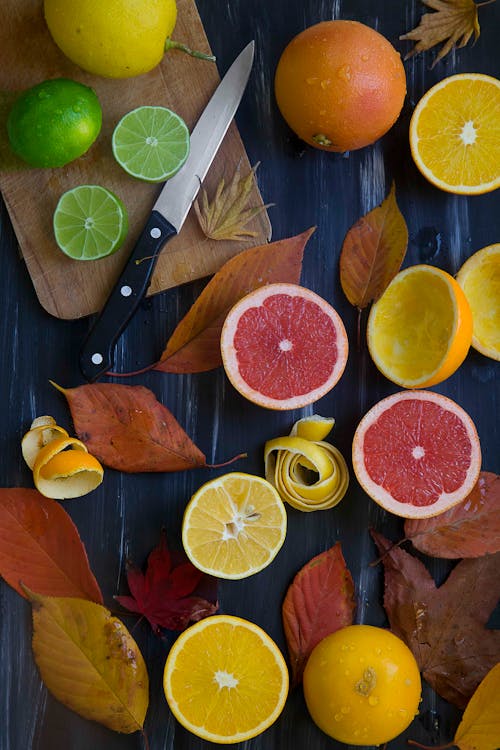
{"x":151,"y":143}
{"x":90,"y":222}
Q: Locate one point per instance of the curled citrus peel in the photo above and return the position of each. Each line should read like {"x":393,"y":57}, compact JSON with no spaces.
{"x":308,"y":473}
{"x":62,"y":466}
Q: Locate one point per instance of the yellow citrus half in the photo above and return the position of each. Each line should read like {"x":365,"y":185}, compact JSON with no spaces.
{"x":420,"y":330}
{"x":234,"y":526}
{"x":455,"y":134}
{"x":225,"y":679}
{"x":479,"y":277}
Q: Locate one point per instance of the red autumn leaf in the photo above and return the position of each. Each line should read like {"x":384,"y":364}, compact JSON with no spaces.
{"x":127,"y":429}
{"x":319,"y":601}
{"x":40,"y":547}
{"x":372,"y":252}
{"x":444,"y":626}
{"x":469,"y":529}
{"x":169,"y":596}
{"x":195,"y":344}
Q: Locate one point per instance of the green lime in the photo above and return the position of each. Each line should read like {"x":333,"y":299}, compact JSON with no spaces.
{"x":90,"y":222}
{"x":151,"y":143}
{"x":54,"y":122}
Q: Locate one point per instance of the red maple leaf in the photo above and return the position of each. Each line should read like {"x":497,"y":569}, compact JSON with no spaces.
{"x":168,"y":595}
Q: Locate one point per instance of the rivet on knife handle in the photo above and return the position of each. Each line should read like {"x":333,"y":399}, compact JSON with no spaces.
{"x":97,"y":353}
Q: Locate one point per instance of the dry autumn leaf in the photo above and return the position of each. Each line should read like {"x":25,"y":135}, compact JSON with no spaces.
{"x":40,"y":547}
{"x":445,"y":626}
{"x":480,"y":725}
{"x":127,"y":429}
{"x":90,"y":662}
{"x":195,"y":344}
{"x":469,"y":529}
{"x":169,"y":595}
{"x":226,"y":216}
{"x":372,"y":252}
{"x":454,"y":22}
{"x":319,"y":601}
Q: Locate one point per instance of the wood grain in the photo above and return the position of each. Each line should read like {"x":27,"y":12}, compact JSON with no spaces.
{"x":71,"y":289}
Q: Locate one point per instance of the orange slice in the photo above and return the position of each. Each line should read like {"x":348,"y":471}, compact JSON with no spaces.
{"x":455,"y":134}
{"x":420,"y":330}
{"x":64,"y":469}
{"x":234,"y":526}
{"x":479,"y":277}
{"x":225,"y":679}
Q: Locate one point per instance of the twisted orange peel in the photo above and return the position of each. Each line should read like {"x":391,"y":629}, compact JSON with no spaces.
{"x":290,"y":460}
{"x":62,"y":466}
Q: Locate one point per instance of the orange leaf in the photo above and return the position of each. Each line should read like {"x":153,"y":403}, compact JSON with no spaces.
{"x":319,"y":601}
{"x":372,"y":253}
{"x":127,"y":429}
{"x":40,"y":547}
{"x":480,"y":725}
{"x":195,"y":344}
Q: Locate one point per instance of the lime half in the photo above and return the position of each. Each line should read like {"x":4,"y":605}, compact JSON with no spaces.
{"x":90,"y":222}
{"x":151,"y":143}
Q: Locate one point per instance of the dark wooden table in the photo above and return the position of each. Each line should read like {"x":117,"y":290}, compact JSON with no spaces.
{"x":124,"y":516}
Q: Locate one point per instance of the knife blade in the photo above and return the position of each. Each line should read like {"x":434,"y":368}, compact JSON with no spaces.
{"x":166,"y":219}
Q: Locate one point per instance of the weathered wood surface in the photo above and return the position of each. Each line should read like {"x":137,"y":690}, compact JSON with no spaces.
{"x":123,"y":518}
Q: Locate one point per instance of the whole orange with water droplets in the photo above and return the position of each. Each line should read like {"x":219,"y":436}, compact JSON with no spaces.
{"x":340,"y":85}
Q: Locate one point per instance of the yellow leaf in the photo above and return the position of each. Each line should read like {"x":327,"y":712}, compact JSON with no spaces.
{"x":454,"y":22}
{"x":90,"y":662}
{"x":226,"y":216}
{"x":480,"y":725}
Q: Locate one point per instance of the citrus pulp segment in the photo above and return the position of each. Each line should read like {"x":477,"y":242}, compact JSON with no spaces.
{"x":455,"y":134}
{"x":283,"y":346}
{"x":479,"y":277}
{"x":54,"y":122}
{"x":420,"y":330}
{"x":416,"y":454}
{"x":90,"y":222}
{"x":225,"y":679}
{"x":151,"y":143}
{"x":234,"y":526}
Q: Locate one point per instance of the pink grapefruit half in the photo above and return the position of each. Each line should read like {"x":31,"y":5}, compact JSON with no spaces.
{"x":283,"y":346}
{"x":416,"y":454}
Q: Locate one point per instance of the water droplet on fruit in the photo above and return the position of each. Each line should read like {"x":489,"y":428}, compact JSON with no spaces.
{"x":403,"y":712}
{"x":311,"y":80}
{"x":344,"y":647}
{"x":325,"y":83}
{"x":365,"y":57}
{"x":373,"y":700}
{"x":338,"y":717}
{"x":345,"y":709}
{"x":378,"y":651}
{"x":43,"y":95}
{"x":344,"y":73}
{"x":76,"y":108}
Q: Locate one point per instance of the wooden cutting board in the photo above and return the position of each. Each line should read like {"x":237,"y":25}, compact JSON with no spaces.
{"x":71,"y":289}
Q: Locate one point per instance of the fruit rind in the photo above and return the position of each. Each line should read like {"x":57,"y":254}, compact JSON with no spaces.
{"x":381,"y":496}
{"x":466,"y":272}
{"x":170,"y":666}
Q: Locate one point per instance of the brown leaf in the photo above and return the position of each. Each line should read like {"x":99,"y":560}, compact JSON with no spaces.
{"x":90,"y":662}
{"x":480,"y":725}
{"x":454,"y":23}
{"x":372,"y":253}
{"x":40,"y":547}
{"x":319,"y":601}
{"x":127,"y":429}
{"x":469,"y":529}
{"x":444,"y":627}
{"x":195,"y":344}
{"x":226,"y":216}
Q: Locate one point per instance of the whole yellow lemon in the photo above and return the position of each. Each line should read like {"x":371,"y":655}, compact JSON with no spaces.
{"x":112,"y":38}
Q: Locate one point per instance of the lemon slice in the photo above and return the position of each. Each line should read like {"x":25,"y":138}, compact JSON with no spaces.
{"x":308,"y":474}
{"x":64,"y":469}
{"x":234,"y":526}
{"x":479,"y":277}
{"x":42,"y":431}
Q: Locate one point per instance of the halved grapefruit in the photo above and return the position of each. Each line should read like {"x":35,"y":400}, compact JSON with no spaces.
{"x":283,"y":346}
{"x":416,"y":454}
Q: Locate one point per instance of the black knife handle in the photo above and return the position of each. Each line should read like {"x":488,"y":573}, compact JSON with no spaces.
{"x":97,"y":353}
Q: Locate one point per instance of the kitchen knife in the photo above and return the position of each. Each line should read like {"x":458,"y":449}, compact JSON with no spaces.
{"x":166,"y":219}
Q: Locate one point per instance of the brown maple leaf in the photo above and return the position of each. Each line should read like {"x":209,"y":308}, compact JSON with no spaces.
{"x":454,"y":22}
{"x":226,"y":215}
{"x":444,"y":626}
